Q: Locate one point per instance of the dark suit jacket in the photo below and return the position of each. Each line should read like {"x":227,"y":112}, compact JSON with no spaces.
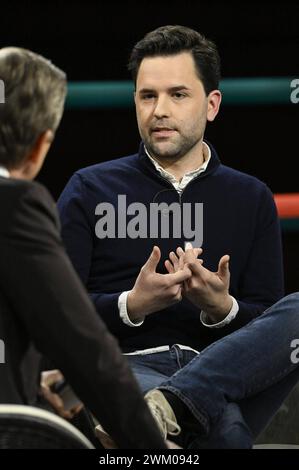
{"x":44,"y":309}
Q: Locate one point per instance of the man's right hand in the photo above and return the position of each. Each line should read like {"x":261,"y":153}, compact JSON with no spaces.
{"x":153,"y":291}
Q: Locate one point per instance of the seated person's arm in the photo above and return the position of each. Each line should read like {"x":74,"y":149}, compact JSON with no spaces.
{"x":54,"y":308}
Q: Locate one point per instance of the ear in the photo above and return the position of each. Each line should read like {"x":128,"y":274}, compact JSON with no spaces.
{"x":214,"y":100}
{"x":36,"y":157}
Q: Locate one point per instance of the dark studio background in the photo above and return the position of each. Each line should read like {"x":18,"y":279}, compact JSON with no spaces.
{"x":91,"y":40}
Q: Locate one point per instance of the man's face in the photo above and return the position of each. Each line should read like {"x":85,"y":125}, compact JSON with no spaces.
{"x":171,"y":105}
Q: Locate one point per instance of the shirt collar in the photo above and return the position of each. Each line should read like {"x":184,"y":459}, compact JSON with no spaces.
{"x":191,"y":174}
{"x":4,"y":172}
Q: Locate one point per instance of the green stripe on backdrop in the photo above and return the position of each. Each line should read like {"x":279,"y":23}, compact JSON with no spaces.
{"x":289,"y":225}
{"x":236,"y":91}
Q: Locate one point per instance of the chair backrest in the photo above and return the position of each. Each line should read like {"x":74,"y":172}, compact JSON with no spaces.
{"x":26,"y":427}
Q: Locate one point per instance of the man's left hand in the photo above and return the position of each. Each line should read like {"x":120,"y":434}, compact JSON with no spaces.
{"x":49,"y":378}
{"x":207,"y":290}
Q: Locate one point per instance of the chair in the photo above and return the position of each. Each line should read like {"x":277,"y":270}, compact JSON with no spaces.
{"x":26,"y":427}
{"x":284,"y":426}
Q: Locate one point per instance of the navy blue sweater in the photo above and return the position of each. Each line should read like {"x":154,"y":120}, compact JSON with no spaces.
{"x":239,"y":219}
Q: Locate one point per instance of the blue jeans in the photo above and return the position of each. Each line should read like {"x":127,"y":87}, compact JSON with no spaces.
{"x":235,"y":385}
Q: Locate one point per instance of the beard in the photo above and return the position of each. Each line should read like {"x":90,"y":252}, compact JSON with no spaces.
{"x":171,"y":149}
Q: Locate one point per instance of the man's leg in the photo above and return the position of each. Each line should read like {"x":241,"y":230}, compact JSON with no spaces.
{"x":241,"y":366}
{"x":152,"y":369}
{"x":147,"y":375}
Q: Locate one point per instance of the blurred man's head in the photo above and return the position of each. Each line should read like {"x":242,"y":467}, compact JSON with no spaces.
{"x":35,"y":92}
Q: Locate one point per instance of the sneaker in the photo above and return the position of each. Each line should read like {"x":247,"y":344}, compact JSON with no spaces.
{"x":163,"y":413}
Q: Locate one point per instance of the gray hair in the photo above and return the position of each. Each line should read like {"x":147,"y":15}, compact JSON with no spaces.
{"x":35,"y":92}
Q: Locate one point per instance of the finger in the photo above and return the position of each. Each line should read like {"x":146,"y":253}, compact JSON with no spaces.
{"x":76,"y":409}
{"x":66,"y":414}
{"x":191,"y":253}
{"x":197,"y":268}
{"x":181,"y":254}
{"x":153,"y":260}
{"x":180,"y":251}
{"x":57,"y":404}
{"x":180,"y":276}
{"x":181,"y":258}
{"x":188,"y":246}
{"x":223,"y":266}
{"x":197,"y":251}
{"x":190,"y":256}
{"x":174,"y":259}
{"x":169,"y":266}
{"x":53,"y":398}
{"x":50,"y":377}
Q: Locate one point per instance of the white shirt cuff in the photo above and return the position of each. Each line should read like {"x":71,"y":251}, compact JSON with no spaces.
{"x":123,"y":312}
{"x":204,"y":318}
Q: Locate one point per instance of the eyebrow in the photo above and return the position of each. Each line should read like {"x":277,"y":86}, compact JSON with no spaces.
{"x":171,"y":89}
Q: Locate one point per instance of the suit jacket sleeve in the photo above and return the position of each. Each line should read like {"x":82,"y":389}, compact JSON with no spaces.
{"x":46,"y":294}
{"x":77,"y":232}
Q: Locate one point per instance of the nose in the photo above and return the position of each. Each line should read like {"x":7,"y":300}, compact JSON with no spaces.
{"x":162,"y":108}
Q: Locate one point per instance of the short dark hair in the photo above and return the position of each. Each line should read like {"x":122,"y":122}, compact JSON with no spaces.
{"x":35,"y":92}
{"x":172,"y":40}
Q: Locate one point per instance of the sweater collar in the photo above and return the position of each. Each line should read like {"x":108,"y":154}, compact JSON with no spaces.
{"x":212,"y":166}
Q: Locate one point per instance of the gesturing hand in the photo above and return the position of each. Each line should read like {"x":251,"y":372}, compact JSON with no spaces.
{"x":208,"y":290}
{"x":153,"y":291}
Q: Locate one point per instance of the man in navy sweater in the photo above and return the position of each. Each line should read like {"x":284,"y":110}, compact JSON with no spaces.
{"x":143,"y":211}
